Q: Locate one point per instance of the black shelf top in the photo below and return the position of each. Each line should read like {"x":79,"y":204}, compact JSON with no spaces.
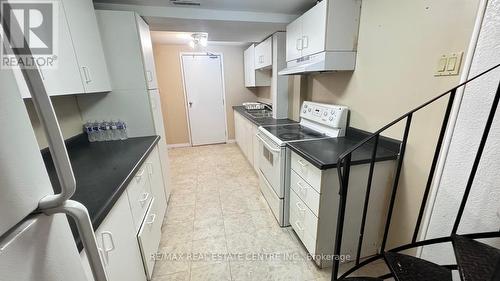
{"x":324,"y":153}
{"x":102,"y":171}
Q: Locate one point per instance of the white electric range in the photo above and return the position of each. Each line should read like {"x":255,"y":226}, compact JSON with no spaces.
{"x":316,"y":121}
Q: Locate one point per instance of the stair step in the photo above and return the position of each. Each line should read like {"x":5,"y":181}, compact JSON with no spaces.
{"x":476,"y":261}
{"x":362,"y":279}
{"x":408,"y":268}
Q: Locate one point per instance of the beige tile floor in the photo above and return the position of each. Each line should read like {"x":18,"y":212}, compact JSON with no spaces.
{"x":216,"y":209}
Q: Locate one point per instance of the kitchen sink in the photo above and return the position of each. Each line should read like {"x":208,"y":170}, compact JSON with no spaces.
{"x":260,"y":113}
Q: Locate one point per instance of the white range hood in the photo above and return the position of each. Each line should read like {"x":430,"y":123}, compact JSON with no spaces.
{"x":322,"y":62}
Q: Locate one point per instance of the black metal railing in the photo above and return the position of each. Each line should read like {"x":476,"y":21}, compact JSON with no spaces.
{"x":344,"y":166}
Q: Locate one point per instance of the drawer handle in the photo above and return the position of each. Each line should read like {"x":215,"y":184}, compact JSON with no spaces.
{"x":297,"y":224}
{"x":150,"y":168}
{"x":302,"y":163}
{"x":301,"y":185}
{"x":152,"y":219}
{"x":145,"y":197}
{"x":139,"y":175}
{"x":105,"y":249}
{"x":300,"y":207}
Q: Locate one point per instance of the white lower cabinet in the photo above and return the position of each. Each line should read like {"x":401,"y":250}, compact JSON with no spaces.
{"x":246,"y":138}
{"x":116,"y":239}
{"x":314,"y":207}
{"x":129,"y":236}
{"x":149,"y":237}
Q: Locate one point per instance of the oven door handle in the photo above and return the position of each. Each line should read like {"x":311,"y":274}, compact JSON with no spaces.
{"x":267,"y":144}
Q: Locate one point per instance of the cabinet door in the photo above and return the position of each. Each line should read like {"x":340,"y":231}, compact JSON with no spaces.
{"x":264,"y":54}
{"x":314,"y":29}
{"x":149,"y":237}
{"x":237,"y":128}
{"x":87,"y":44}
{"x":294,"y":40}
{"x":156,"y":181}
{"x":255,"y":144}
{"x":117,"y":240}
{"x":249,"y":141}
{"x":249,"y":65}
{"x":147,"y":52}
{"x":65,"y":78}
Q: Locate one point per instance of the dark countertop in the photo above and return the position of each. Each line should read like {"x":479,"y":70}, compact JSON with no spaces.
{"x":267,"y":121}
{"x":324,"y":153}
{"x":102,"y":171}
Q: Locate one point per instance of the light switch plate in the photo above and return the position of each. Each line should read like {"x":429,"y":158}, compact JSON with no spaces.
{"x":449,"y":64}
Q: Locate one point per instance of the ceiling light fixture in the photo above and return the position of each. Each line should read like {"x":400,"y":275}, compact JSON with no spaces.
{"x":198,"y":39}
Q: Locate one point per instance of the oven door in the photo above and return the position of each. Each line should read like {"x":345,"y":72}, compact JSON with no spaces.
{"x":270,"y":163}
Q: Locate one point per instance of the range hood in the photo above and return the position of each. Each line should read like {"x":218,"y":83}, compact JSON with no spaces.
{"x":321,"y":62}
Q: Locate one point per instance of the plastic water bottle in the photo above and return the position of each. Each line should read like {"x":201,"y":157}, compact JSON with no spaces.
{"x":107,"y":131}
{"x":95,"y":131}
{"x":122,"y":129}
{"x":115,"y":135}
{"x":89,"y":131}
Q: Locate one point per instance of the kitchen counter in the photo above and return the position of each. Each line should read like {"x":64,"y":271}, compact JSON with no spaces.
{"x":102,"y":171}
{"x":324,"y":153}
{"x":267,"y":121}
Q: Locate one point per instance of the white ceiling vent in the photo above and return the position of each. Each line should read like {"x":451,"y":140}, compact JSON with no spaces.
{"x":185,"y":2}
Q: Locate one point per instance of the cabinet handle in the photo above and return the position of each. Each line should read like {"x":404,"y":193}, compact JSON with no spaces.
{"x":144,"y":199}
{"x":298,"y":45}
{"x":139,"y":175}
{"x":301,"y":185}
{"x":149,"y":75}
{"x":297,"y":223}
{"x":151,"y":220}
{"x":86,"y":72}
{"x":106,"y":250}
{"x":150,"y":168}
{"x":305,"y":42}
{"x":299,"y":206}
{"x":302,"y":163}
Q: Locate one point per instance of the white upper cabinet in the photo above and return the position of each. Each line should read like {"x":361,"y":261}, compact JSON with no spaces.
{"x":331,"y":25}
{"x":264,"y":54}
{"x":64,"y":79}
{"x":147,"y":53}
{"x":249,"y":62}
{"x":253,"y":77}
{"x":87,"y":43}
{"x":294,"y":40}
{"x":314,"y":29}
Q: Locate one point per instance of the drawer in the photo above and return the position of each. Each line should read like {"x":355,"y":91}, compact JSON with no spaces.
{"x":304,"y":222}
{"x":139,"y":196}
{"x":305,"y":192}
{"x":149,"y":237}
{"x":307,"y":171}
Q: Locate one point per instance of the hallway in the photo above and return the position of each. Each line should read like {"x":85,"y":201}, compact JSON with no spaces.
{"x":217,"y":213}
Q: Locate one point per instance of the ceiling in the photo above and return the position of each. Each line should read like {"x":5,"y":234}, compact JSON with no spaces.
{"x":265,"y":6}
{"x":239,"y":21}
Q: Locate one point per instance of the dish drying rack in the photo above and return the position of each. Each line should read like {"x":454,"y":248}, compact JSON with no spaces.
{"x":254,"y":105}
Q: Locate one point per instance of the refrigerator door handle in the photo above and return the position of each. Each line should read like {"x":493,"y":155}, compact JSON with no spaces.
{"x":80,"y":215}
{"x":48,"y":118}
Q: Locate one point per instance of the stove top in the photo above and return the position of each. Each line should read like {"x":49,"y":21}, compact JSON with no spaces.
{"x":293,"y":132}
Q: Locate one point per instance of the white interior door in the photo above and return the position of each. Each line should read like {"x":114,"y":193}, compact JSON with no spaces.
{"x":205,"y":98}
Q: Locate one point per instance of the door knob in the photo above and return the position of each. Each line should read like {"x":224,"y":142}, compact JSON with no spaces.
{"x":190,"y":104}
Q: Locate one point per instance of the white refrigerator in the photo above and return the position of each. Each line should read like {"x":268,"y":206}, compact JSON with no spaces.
{"x":36,"y":243}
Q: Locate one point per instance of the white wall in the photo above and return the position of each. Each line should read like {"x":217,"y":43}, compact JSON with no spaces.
{"x":482,"y":213}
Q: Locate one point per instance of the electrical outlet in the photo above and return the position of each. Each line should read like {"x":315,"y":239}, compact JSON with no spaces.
{"x":449,"y":64}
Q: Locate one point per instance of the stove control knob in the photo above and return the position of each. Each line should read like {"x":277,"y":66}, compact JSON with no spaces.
{"x":304,"y":111}
{"x":305,"y":105}
{"x":309,"y":109}
{"x":326,"y":113}
{"x":332,"y":112}
{"x":331,"y":118}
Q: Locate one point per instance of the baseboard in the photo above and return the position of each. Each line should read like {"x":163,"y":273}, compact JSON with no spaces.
{"x":231,"y":141}
{"x":178,"y":145}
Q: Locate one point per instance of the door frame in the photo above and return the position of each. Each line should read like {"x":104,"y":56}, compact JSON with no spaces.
{"x":185,"y":92}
